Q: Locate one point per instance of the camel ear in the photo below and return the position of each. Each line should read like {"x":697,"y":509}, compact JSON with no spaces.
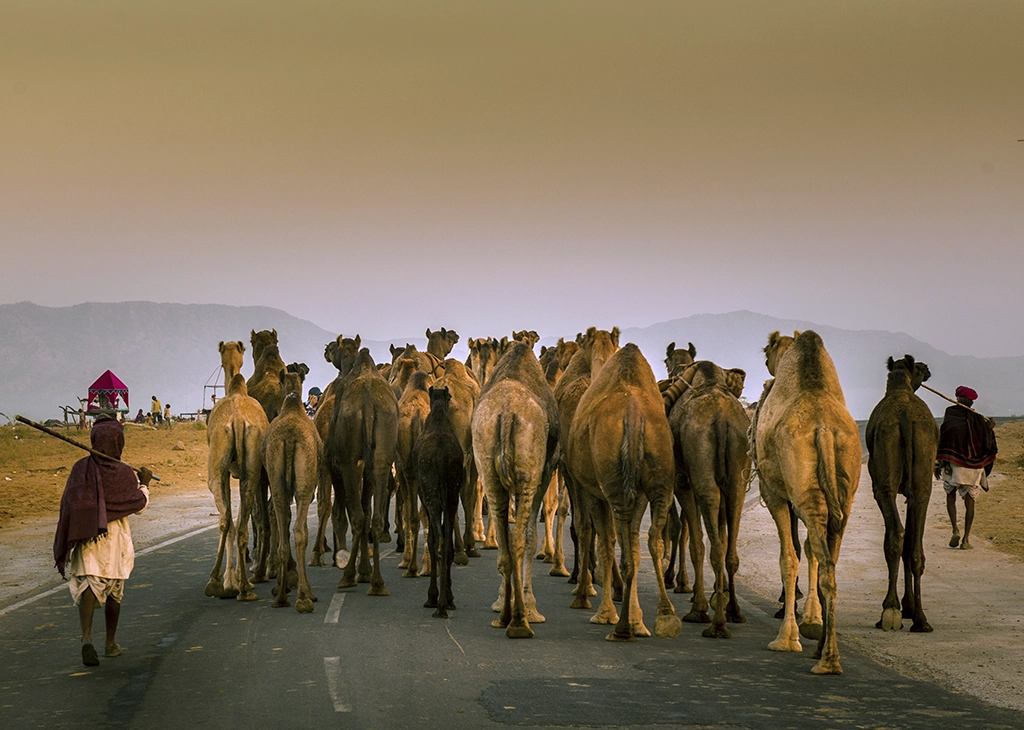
{"x":796,"y":333}
{"x":693,"y":350}
{"x":428,"y":333}
{"x":357,"y":341}
{"x":274,"y":333}
{"x":615,"y":336}
{"x":280,"y":375}
{"x":890,"y":363}
{"x":591,"y":331}
{"x":670,"y":349}
{"x":471,"y":343}
{"x":241,"y":346}
{"x":909,"y":359}
{"x":220,"y":347}
{"x":579,"y":338}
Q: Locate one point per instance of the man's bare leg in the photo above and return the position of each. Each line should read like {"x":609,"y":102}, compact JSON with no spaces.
{"x":86,"y":607}
{"x":112,"y":613}
{"x":951,"y":509}
{"x":968,"y":520}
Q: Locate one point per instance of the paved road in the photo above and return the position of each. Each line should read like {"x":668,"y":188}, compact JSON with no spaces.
{"x":372,"y":662}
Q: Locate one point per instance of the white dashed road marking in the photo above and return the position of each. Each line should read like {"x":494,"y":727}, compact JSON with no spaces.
{"x":334,"y":610}
{"x":332,"y":667}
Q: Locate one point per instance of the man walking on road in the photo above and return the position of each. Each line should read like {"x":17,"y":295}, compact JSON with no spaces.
{"x":967,"y":450}
{"x":93,"y":540}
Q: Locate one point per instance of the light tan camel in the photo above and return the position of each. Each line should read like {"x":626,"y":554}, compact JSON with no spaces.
{"x":361,"y":451}
{"x":231,"y":360}
{"x":483,"y":356}
{"x":709,"y":426}
{"x":808,"y":457}
{"x":234,"y":434}
{"x":620,"y":452}
{"x":293,"y":459}
{"x":464,"y":392}
{"x":596,"y":346}
{"x":413,"y":409}
{"x":515,"y":443}
{"x":902,"y":441}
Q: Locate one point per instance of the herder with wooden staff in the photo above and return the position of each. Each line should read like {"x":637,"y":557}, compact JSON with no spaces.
{"x":967,"y":450}
{"x":93,"y":542}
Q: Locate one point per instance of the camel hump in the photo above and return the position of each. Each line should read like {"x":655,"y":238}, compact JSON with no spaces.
{"x":292,"y":402}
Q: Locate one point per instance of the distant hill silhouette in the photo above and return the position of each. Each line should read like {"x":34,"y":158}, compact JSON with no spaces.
{"x":49,"y":356}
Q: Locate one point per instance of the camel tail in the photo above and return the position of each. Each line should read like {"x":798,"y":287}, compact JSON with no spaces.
{"x":907,"y":441}
{"x":825,"y":441}
{"x":505,"y":463}
{"x":721,"y":451}
{"x":631,"y":451}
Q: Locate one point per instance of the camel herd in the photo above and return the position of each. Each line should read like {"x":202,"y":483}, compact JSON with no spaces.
{"x":586,"y":428}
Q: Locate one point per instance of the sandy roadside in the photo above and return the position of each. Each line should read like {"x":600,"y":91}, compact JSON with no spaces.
{"x":973,"y":599}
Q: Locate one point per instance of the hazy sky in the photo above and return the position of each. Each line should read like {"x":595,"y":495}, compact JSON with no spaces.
{"x":380,"y":168}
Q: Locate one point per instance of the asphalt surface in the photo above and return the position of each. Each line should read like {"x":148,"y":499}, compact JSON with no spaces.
{"x":383,"y":662}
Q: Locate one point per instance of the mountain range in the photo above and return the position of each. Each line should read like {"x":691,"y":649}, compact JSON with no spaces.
{"x":49,"y":356}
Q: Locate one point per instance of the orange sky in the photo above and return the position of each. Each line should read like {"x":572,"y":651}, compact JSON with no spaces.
{"x":384,"y":167}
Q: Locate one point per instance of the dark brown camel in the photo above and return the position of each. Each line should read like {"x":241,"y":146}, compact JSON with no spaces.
{"x":413,"y":409}
{"x":515,"y":443}
{"x":360,"y":451}
{"x":440,"y":474}
{"x":902,"y":441}
{"x":709,"y":426}
{"x":620,"y":452}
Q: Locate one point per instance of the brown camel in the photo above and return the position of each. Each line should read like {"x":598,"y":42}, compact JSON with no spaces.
{"x":293,"y":459}
{"x":440,"y":476}
{"x":709,"y":427}
{"x":413,"y":409}
{"x":620,"y":452}
{"x":596,"y":347}
{"x":808,"y":457}
{"x":529,"y":337}
{"x":361,"y":451}
{"x":441,"y":342}
{"x":483,"y":356}
{"x":515,"y":443}
{"x":234,"y":434}
{"x":902,"y":441}
{"x":678,"y":360}
{"x":231,"y":360}
{"x":464,"y":392}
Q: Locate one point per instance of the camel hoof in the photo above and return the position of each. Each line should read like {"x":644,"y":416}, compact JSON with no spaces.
{"x":735,"y":618}
{"x":247,"y":595}
{"x":498,"y":605}
{"x":498,"y":624}
{"x":317,"y":561}
{"x":461,"y":559}
{"x":341,"y":559}
{"x":440,"y":613}
{"x":827,"y":667}
{"x":811,"y":631}
{"x":580,"y":602}
{"x":667,"y":626}
{"x":281,"y":603}
{"x":214,"y":589}
{"x":490,"y":545}
{"x":599,"y":618}
{"x":521,"y":631}
{"x":346,"y":583}
{"x":892,"y":620}
{"x":534,"y":617}
{"x":411,"y":573}
{"x":716,"y":632}
{"x":378,"y":591}
{"x":473,"y":553}
{"x":260,"y":578}
{"x":403,"y":563}
{"x":304,"y":605}
{"x":559,"y":571}
{"x":683,"y":589}
{"x":697,"y":617}
{"x":921,"y":628}
{"x":786,"y":645}
{"x":616,"y":636}
{"x":384,"y":538}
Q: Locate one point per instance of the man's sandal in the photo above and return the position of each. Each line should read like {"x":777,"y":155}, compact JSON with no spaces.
{"x":89,"y":657}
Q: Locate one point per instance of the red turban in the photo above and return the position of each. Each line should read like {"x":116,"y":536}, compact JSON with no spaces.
{"x":962,"y":391}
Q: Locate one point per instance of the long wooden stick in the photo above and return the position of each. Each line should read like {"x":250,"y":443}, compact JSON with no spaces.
{"x":954,"y":402}
{"x":65,"y":439}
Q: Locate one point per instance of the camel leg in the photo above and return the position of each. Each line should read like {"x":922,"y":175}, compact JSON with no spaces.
{"x":245,"y":591}
{"x":529,"y":599}
{"x":795,"y":531}
{"x":667,"y":625}
{"x":788,"y":638}
{"x":711,"y":507}
{"x":357,"y":521}
{"x":811,"y":625}
{"x":220,"y":488}
{"x":891,"y":619}
{"x":698,"y":613}
{"x":818,"y":546}
{"x":558,"y":568}
{"x":434,"y":545}
{"x":584,"y":556}
{"x":264,"y":531}
{"x":606,"y":613}
{"x":323,"y":514}
{"x":379,"y":489}
{"x":282,"y":515}
{"x":734,"y":510}
{"x":682,"y":583}
{"x":631,"y":621}
{"x":448,"y":525}
{"x":304,"y":602}
{"x":550,"y":506}
{"x":913,"y":562}
{"x":519,"y":627}
{"x":479,"y":531}
{"x":497,"y":512}
{"x":470,"y":497}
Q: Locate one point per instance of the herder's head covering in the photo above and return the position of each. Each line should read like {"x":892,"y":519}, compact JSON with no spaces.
{"x":962,"y":391}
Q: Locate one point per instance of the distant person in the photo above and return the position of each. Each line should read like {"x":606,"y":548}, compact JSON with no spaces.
{"x":167,"y":415}
{"x":967,"y":450}
{"x":140,"y":417}
{"x":154,"y":409}
{"x":93,"y":542}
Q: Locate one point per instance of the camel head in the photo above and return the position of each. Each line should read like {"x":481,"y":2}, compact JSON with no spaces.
{"x":527,"y":337}
{"x":598,"y":346}
{"x":260,"y":341}
{"x":565,"y":350}
{"x":676,"y":360}
{"x":342,"y":352}
{"x":418,"y":380}
{"x":440,"y":343}
{"x":291,"y":381}
{"x":402,"y":369}
{"x":231,"y":358}
{"x":483,"y":356}
{"x":363,"y":364}
{"x":301,"y":368}
{"x":776,"y":348}
{"x":440,"y":398}
{"x":906,"y":371}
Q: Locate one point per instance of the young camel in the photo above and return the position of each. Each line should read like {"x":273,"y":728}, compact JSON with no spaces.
{"x":808,"y":458}
{"x":515,"y":443}
{"x":902,"y":441}
{"x":413,"y":409}
{"x":440,"y":473}
{"x":234,"y":434}
{"x":620,"y":452}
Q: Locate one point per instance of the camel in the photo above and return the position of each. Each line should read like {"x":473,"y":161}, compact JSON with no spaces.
{"x":808,"y":457}
{"x":709,"y":426}
{"x":413,"y":409}
{"x":441,"y":342}
{"x":464,"y":392}
{"x":234,"y":434}
{"x":231,"y":360}
{"x":440,"y":473}
{"x":902,"y":441}
{"x":515,"y":443}
{"x":360,"y":451}
{"x":483,"y":356}
{"x":678,"y":360}
{"x":620,"y":452}
{"x":293,"y":460}
{"x":596,"y":347}
{"x":529,"y":337}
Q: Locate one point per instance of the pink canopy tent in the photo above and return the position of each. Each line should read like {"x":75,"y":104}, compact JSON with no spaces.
{"x":110,"y":385}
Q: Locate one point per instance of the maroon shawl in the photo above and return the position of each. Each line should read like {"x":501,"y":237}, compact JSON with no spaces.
{"x":966,"y":439}
{"x":98,"y":491}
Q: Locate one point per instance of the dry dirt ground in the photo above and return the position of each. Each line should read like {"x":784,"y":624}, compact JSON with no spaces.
{"x":974,"y":599}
